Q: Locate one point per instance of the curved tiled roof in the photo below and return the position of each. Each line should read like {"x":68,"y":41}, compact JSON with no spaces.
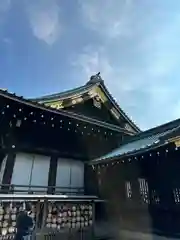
{"x":142,"y":141}
{"x":120,"y":109}
{"x":79,"y":117}
{"x":65,"y":94}
{"x":94,"y":80}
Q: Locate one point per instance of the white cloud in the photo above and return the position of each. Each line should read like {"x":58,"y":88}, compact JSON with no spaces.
{"x":44,"y":19}
{"x":91,"y":62}
{"x":111,"y":18}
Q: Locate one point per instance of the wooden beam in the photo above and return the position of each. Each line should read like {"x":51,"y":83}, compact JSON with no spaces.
{"x":52,"y":173}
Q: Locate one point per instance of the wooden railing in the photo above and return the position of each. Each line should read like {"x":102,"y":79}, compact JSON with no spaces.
{"x":86,"y":234}
{"x":41,"y":232}
{"x":32,"y":189}
{"x":80,"y":234}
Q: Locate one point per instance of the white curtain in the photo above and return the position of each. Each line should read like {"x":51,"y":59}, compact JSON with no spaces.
{"x":63,"y":179}
{"x":77,"y":174}
{"x":22,"y":170}
{"x":33,"y":170}
{"x":70,"y":174}
{"x":40,"y":172}
{"x":30,"y":169}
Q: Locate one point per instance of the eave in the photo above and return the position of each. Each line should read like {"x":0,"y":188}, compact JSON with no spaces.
{"x":83,"y":93}
{"x":63,"y":95}
{"x":65,"y":113}
{"x":144,"y":142}
{"x":117,"y":107}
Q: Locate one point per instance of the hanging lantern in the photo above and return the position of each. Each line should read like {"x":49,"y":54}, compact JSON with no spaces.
{"x":18,"y":123}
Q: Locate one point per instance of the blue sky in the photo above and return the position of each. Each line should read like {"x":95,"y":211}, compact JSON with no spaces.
{"x":48,"y":46}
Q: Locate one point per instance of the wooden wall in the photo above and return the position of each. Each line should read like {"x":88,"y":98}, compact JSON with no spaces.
{"x":152,"y":202}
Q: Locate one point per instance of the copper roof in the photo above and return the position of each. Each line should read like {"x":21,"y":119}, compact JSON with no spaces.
{"x":143,"y":141}
{"x":95,"y":80}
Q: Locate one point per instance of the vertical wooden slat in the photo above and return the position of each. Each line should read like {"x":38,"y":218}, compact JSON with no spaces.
{"x":52,"y":174}
{"x":2,"y":167}
{"x":37,"y":215}
{"x":44,"y":214}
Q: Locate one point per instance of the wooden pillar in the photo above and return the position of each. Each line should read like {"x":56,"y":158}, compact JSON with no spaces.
{"x":165,"y":175}
{"x":44,"y":216}
{"x":8,"y":171}
{"x":10,"y":144}
{"x":52,"y":174}
{"x":37,"y":215}
{"x":90,"y":180}
{"x":133,"y":173}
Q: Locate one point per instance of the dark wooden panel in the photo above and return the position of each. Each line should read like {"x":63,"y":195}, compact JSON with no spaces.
{"x":52,"y":174}
{"x":90,"y":181}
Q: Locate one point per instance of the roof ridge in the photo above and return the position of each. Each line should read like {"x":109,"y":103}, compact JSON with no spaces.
{"x":94,"y":79}
{"x":60,"y":94}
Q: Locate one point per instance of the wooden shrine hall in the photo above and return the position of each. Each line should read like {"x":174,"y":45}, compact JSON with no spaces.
{"x":45,"y":146}
{"x":78,"y":152}
{"x":140,"y":180}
